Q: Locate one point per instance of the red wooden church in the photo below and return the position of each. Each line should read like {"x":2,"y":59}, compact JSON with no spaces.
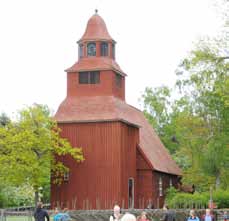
{"x":125,"y":161}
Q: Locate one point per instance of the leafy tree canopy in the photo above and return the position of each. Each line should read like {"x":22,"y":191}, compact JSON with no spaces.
{"x":30,"y":146}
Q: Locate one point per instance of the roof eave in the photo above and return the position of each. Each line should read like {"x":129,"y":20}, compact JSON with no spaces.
{"x":170,"y":173}
{"x":82,"y":40}
{"x":98,"y":121}
{"x":69,"y":70}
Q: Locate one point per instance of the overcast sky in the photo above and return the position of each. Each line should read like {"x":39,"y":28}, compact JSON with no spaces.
{"x":38,"y":42}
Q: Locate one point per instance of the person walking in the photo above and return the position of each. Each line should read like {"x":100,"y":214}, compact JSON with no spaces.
{"x":193,"y":216}
{"x":40,"y":214}
{"x":208,"y":216}
{"x":128,"y":217}
{"x":66,"y":216}
{"x":168,"y":215}
{"x":116,"y":215}
{"x":143,"y":217}
{"x":225,"y":216}
{"x":58,"y":215}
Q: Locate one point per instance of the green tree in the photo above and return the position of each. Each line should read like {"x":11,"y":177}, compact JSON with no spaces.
{"x":204,"y":77}
{"x":157,"y":109}
{"x":195,"y":126}
{"x":29,"y":149}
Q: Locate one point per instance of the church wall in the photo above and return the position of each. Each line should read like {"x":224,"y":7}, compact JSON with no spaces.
{"x":118,"y":91}
{"x":144,"y":182}
{"x":129,"y":141}
{"x":159,"y":200}
{"x":97,"y":182}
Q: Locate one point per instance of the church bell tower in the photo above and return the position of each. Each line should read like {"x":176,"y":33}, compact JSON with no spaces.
{"x":96,"y":73}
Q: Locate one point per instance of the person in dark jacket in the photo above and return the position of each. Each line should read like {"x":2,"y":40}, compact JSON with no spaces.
{"x":40,"y":213}
{"x":168,"y":215}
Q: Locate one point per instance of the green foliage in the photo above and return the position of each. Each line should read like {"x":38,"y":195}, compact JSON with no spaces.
{"x":156,"y":103}
{"x":17,"y":196}
{"x":171,"y":193}
{"x":194,"y":126}
{"x":221,"y":198}
{"x":30,"y":147}
{"x":156,"y":109}
{"x":197,"y":200}
{"x":204,"y":78}
{"x":185,"y":200}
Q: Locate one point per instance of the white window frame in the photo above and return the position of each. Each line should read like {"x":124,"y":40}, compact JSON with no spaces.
{"x":66,"y":176}
{"x":160,"y":186}
{"x":170,"y":182}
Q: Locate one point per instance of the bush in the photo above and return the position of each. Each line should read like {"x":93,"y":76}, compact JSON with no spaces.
{"x":171,"y":193}
{"x":176,"y":199}
{"x":221,"y":198}
{"x":185,"y":200}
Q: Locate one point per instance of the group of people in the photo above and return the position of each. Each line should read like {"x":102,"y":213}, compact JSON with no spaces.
{"x":208,"y":216}
{"x":61,"y":216}
{"x":168,"y":215}
{"x":40,"y":214}
{"x":118,"y":216}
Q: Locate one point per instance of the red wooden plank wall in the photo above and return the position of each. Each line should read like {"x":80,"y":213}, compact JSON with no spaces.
{"x":110,"y":158}
{"x":106,"y":87}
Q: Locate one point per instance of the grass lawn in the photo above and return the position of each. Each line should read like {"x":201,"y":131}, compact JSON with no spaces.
{"x":21,"y":218}
{"x":18,"y":218}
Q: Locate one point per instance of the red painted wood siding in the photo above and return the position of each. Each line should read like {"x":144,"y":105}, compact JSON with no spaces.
{"x":145,"y":189}
{"x":144,"y":182}
{"x":159,"y":200}
{"x":148,"y":184}
{"x":129,"y":141}
{"x":141,"y":162}
{"x":110,"y":158}
{"x":107,"y":86}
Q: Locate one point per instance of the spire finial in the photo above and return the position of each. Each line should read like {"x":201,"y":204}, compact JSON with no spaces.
{"x":96,"y":11}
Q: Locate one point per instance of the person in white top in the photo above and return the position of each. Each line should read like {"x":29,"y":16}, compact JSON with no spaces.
{"x":116,"y":215}
{"x":128,"y":217}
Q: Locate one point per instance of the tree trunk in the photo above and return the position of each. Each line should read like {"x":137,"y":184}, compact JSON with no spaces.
{"x":36,"y":198}
{"x":217,"y":181}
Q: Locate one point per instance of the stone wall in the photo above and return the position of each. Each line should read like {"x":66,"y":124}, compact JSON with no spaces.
{"x":153,"y":214}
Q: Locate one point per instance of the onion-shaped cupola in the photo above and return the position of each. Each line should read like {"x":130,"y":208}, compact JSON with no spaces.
{"x":96,"y":40}
{"x":96,"y":48}
{"x":96,"y":30}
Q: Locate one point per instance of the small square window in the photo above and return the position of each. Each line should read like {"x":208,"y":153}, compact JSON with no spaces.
{"x":91,"y":49}
{"x":66,"y":176}
{"x":89,"y":77}
{"x":94,"y":77}
{"x":104,"y":49}
{"x":118,"y":80}
{"x":84,"y":77}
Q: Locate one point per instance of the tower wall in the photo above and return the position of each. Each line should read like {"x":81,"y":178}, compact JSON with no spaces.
{"x":106,"y":87}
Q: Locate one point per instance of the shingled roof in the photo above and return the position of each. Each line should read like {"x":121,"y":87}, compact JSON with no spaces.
{"x":96,"y":63}
{"x":96,"y":30}
{"x":109,"y":108}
